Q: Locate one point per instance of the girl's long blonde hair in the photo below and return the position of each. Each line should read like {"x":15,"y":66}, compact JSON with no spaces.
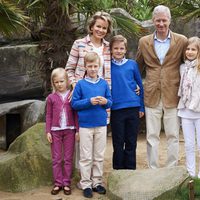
{"x":196,"y":41}
{"x":55,"y":73}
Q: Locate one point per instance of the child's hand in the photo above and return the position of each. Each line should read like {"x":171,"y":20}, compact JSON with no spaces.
{"x":137,"y":90}
{"x":49,"y":137}
{"x":77,"y":137}
{"x":94,"y":100}
{"x":141,"y":114}
{"x":102,"y":100}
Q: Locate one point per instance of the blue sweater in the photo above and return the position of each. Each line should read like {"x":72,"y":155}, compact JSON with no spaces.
{"x":89,"y":115}
{"x":124,"y":79}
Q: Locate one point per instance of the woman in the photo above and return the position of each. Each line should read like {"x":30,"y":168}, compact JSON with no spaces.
{"x":99,"y":26}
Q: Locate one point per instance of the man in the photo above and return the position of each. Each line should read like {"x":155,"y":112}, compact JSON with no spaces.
{"x":160,"y":54}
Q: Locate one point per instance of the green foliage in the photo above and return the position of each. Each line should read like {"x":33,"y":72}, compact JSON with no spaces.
{"x":33,"y":8}
{"x":183,"y":191}
{"x":37,"y":10}
{"x":12,"y":18}
{"x":142,"y":10}
{"x":90,"y":7}
{"x":139,"y":9}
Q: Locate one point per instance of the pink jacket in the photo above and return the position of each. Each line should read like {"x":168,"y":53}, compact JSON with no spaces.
{"x":75,"y":64}
{"x":54,"y":106}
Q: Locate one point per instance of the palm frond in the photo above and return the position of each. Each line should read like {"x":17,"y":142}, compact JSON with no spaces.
{"x":129,"y":27}
{"x":186,"y":11}
{"x":33,"y":3}
{"x":195,"y":13}
{"x":12,"y":19}
{"x":34,"y":8}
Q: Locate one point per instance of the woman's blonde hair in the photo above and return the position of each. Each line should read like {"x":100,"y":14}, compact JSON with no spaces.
{"x":118,"y":38}
{"x":100,"y":15}
{"x":57,"y":72}
{"x":196,"y":41}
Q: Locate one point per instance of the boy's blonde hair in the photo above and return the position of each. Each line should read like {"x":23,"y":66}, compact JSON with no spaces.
{"x":118,"y":38}
{"x":55,"y":73}
{"x":91,"y":57}
{"x":100,"y":15}
{"x":196,"y":41}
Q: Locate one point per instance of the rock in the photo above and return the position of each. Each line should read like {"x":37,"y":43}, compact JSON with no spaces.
{"x":20,"y":77}
{"x":27,"y":163}
{"x":17,"y":117}
{"x":122,"y":12}
{"x":33,"y":113}
{"x":145,"y":184}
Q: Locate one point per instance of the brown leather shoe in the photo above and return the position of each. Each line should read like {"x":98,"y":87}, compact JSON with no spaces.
{"x":56,"y":189}
{"x":67,"y":190}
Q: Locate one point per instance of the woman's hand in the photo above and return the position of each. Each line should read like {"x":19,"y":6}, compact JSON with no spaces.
{"x":71,"y":92}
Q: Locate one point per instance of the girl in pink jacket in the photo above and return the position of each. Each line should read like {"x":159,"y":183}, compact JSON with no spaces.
{"x":61,"y":126}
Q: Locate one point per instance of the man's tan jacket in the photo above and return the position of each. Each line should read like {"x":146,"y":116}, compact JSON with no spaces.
{"x":161,"y":81}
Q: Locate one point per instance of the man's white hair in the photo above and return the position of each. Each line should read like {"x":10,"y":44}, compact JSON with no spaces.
{"x":161,"y":9}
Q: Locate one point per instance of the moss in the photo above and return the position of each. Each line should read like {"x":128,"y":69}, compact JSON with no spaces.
{"x":114,"y":178}
{"x":27,"y":163}
{"x":181,"y":192}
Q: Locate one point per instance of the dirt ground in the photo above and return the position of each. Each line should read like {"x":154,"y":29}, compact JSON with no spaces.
{"x":43,"y":193}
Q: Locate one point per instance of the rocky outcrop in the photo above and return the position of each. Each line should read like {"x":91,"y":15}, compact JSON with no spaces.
{"x":20,"y":75}
{"x":32,"y":111}
{"x":27,"y":163}
{"x":16,"y":117}
{"x":147,"y":184}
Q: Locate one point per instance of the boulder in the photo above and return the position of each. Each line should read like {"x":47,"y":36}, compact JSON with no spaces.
{"x":146,"y":184}
{"x":16,"y":117}
{"x":20,"y":77}
{"x":27,"y":163}
{"x":33,"y":113}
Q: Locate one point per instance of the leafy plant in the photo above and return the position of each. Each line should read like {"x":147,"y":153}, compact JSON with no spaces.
{"x":142,"y":10}
{"x":12,"y":18}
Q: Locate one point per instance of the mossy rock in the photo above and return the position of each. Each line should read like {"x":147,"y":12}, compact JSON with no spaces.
{"x":27,"y":163}
{"x":149,"y":184}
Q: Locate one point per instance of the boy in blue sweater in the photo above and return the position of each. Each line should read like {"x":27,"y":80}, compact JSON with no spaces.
{"x":127,"y":105}
{"x":91,"y":98}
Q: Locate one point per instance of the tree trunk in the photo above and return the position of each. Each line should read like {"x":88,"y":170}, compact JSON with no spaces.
{"x":56,"y":37}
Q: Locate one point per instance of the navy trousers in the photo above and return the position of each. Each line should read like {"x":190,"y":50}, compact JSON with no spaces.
{"x":125,"y":127}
